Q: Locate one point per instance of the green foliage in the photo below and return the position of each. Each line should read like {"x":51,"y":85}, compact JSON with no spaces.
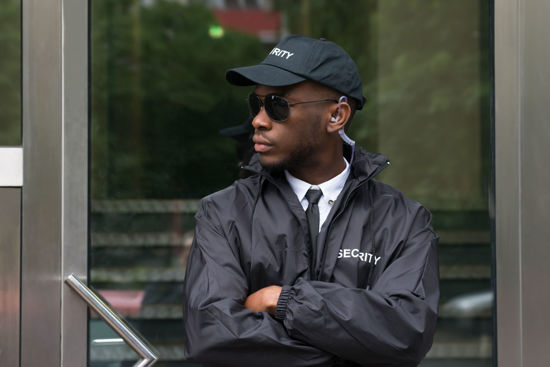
{"x":10,"y":73}
{"x":160,"y":98}
{"x":433,"y":99}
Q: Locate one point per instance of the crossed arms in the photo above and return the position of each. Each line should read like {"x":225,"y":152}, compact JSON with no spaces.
{"x":390,"y":324}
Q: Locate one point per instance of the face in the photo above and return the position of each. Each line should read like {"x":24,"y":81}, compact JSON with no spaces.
{"x":297,"y":142}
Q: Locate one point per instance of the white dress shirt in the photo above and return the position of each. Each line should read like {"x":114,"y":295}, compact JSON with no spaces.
{"x":331,"y":189}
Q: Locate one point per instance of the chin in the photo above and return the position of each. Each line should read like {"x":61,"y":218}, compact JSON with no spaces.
{"x":273,"y":166}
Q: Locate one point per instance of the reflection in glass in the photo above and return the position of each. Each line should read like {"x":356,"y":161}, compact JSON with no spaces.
{"x":159,"y":100}
{"x":10,"y":73}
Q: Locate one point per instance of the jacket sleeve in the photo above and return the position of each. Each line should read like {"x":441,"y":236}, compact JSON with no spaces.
{"x":390,"y":324}
{"x":219,"y":330}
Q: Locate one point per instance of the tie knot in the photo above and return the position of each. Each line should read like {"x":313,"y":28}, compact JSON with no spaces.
{"x":313,"y":195}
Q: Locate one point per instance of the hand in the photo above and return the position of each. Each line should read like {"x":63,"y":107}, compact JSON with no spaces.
{"x":264,"y":300}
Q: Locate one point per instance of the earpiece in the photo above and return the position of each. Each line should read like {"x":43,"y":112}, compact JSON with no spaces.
{"x":340,"y":100}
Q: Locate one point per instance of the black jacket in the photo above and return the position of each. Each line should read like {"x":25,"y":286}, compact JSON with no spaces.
{"x":371,"y":298}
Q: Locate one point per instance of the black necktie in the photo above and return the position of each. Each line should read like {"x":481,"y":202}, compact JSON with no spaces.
{"x":312,"y":214}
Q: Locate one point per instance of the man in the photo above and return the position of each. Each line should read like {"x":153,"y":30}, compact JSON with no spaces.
{"x":311,"y":261}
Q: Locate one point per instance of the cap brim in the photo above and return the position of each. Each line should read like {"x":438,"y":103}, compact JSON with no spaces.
{"x":243,"y":129}
{"x":262,"y":74}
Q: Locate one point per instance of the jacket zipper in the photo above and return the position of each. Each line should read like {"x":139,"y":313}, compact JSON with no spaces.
{"x":306,"y":235}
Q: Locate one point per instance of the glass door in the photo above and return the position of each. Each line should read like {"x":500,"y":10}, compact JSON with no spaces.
{"x":160,"y":107}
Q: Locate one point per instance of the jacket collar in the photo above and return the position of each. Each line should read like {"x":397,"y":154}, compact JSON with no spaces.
{"x":366,"y":165}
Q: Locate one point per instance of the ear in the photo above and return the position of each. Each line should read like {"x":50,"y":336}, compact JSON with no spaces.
{"x":339,"y":117}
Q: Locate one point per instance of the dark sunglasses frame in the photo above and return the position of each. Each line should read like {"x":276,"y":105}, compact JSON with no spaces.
{"x":276,"y":107}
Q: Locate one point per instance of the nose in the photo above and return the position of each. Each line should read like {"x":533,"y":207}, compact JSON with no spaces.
{"x":261,"y":120}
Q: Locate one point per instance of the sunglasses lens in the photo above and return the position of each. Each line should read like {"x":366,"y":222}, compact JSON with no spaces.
{"x":277,"y":108}
{"x":254,"y":104}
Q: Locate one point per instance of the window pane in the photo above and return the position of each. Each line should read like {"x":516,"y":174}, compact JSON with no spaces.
{"x":10,"y":73}
{"x":159,"y":100}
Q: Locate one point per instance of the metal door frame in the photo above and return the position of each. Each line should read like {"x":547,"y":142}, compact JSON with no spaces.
{"x":55,"y":181}
{"x":522,"y":179}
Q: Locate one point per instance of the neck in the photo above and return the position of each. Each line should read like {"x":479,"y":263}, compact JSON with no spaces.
{"x":318,"y":173}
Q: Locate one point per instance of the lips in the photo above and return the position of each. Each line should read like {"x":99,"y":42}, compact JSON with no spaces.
{"x":261,"y":145}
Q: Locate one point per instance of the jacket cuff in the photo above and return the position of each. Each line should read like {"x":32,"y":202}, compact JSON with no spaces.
{"x":286,"y":293}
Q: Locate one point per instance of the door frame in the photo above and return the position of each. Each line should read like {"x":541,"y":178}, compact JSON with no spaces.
{"x":55,"y":181}
{"x":522,"y":178}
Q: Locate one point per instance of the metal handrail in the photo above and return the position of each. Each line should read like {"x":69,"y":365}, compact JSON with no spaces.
{"x":111,"y":317}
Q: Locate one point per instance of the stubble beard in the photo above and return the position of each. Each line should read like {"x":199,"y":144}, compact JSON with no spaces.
{"x":303,"y":156}
{"x":298,"y":158}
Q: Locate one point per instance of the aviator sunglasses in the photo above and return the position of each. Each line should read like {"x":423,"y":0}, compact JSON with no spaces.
{"x":276,"y":107}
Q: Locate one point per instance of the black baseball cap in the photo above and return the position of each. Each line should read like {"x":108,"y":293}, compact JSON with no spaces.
{"x":298,"y":58}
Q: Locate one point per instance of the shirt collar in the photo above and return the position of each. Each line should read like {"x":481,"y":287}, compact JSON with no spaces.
{"x":331,"y":188}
